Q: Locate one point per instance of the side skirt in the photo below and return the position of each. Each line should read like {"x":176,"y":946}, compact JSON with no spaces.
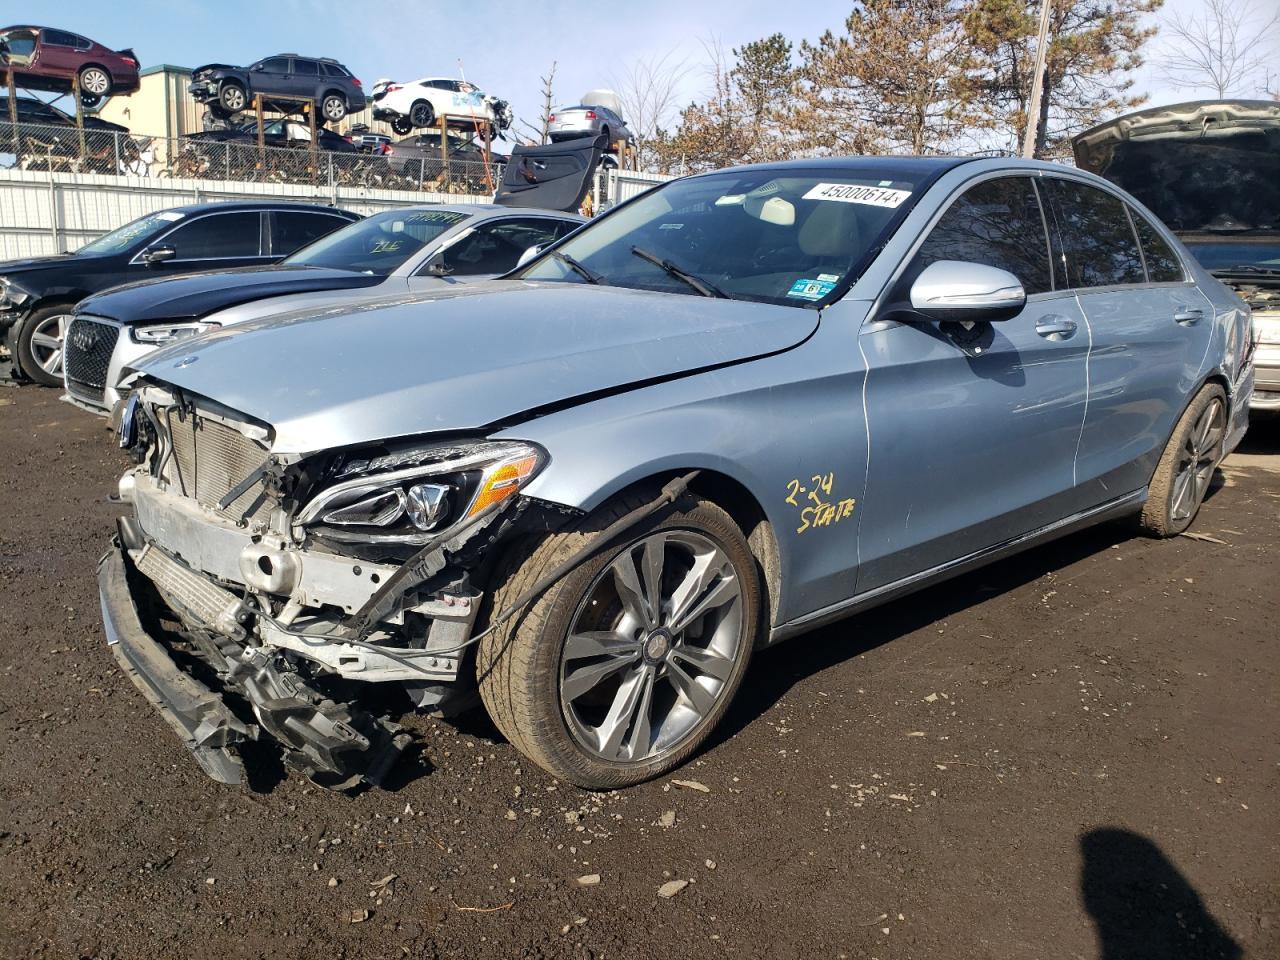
{"x":1119,"y":507}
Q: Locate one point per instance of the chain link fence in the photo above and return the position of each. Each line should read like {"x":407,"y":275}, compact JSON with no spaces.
{"x":238,"y":158}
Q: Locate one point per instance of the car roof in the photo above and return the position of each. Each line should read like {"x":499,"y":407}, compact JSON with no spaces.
{"x":923,"y":165}
{"x":252,"y":205}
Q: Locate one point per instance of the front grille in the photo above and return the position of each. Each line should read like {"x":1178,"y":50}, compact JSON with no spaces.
{"x":87,"y":351}
{"x":210,"y":459}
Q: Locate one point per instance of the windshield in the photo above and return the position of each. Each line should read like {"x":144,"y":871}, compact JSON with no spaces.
{"x":1261,"y":254}
{"x":378,"y":244}
{"x":789,"y":237}
{"x":131,"y":233}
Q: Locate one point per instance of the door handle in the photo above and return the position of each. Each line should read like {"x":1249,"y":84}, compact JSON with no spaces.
{"x":1056,"y":327}
{"x":1189,"y":316}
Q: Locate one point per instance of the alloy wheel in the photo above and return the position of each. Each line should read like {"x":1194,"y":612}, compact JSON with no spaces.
{"x":652,"y":647}
{"x":95,"y":81}
{"x":334,"y":109}
{"x":1196,"y":461}
{"x":233,"y":99}
{"x":46,"y":343}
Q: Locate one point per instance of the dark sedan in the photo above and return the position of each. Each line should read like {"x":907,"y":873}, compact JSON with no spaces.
{"x":420,"y":158}
{"x":37,"y":294}
{"x":44,"y":58}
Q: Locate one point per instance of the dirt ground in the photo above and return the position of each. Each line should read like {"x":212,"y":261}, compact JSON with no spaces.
{"x":1072,"y":754}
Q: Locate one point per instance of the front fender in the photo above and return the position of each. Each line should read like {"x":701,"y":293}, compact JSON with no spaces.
{"x":789,"y":428}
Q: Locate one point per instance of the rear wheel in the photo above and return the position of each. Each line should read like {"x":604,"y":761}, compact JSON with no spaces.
{"x":333,"y":107}
{"x":95,"y":82}
{"x":1185,"y":470}
{"x":422,"y":114}
{"x":40,"y":344}
{"x":231,"y":97}
{"x":401,"y":125}
{"x":620,"y":670}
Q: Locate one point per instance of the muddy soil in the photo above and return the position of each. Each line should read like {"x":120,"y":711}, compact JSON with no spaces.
{"x":1072,"y":754}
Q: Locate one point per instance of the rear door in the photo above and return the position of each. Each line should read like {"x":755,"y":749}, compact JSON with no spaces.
{"x":973,"y":432}
{"x":1150,"y":328}
{"x":292,"y":230}
{"x":305,"y":78}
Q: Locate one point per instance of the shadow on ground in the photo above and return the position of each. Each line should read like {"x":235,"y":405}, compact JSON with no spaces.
{"x":1142,"y":906}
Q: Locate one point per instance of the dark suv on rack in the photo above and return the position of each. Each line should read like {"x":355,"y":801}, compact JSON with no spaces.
{"x":229,"y":90}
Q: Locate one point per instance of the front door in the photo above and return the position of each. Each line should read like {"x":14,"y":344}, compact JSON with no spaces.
{"x":973,"y":432}
{"x":212,"y":241}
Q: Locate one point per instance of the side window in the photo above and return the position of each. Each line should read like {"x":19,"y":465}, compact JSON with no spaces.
{"x":306,"y":68}
{"x":218,"y":235}
{"x":19,"y":43}
{"x":290,"y":231}
{"x":1100,"y":245}
{"x":495,"y":247}
{"x":566,"y":227}
{"x":276,"y":65}
{"x":1163,"y":265}
{"x":59,"y":38}
{"x":997,"y":223}
{"x":83,"y":43}
{"x":333,"y":70}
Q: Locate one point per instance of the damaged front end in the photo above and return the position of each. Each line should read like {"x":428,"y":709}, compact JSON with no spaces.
{"x":254,"y":592}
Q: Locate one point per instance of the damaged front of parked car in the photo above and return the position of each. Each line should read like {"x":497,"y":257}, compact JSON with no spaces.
{"x":354,"y":565}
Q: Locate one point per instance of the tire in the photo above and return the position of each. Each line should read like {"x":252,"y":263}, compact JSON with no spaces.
{"x":421,"y":114}
{"x":232,"y":97}
{"x":608,"y":138}
{"x":95,"y":81}
{"x":621,"y":660}
{"x":401,"y":126}
{"x":1186,"y":467}
{"x":333,"y":107}
{"x":40,"y":343}
{"x":89,"y":100}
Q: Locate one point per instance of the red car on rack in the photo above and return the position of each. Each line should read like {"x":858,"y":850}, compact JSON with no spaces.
{"x":44,"y":58}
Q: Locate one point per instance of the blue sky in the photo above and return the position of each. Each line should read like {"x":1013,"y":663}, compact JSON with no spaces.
{"x":504,"y":46}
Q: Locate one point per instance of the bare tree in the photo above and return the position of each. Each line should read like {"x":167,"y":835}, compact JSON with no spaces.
{"x":548,"y":100}
{"x":1226,"y":46}
{"x":647,"y":92}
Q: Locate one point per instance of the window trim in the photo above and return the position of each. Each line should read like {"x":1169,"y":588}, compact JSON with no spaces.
{"x":443,"y":246}
{"x":137,"y":257}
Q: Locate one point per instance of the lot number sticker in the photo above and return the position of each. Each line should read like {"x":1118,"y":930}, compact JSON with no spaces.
{"x":852,"y":193}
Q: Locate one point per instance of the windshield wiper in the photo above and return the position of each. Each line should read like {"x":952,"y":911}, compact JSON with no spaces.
{"x":704,"y":287}
{"x":1248,"y":268}
{"x":585,"y":272}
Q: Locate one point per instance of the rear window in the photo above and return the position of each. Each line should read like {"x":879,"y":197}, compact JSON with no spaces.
{"x":333,"y":70}
{"x":1163,"y":265}
{"x":1100,"y":245}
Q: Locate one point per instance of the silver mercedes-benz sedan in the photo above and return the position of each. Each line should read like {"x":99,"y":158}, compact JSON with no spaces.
{"x":737,"y":407}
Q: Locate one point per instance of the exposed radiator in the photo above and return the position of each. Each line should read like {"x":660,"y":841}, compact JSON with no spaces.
{"x":210,"y":459}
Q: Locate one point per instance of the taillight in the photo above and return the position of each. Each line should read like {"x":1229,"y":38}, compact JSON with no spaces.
{"x":550,"y":117}
{"x":386,"y":149}
{"x":348,"y":139}
{"x":357,"y":81}
{"x":393,"y":87}
{"x":130,"y":61}
{"x":591,"y":114}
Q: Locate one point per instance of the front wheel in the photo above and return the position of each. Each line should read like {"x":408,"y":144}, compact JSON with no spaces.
{"x":620,"y":670}
{"x":1185,"y":470}
{"x":232,"y":98}
{"x":421,"y":114}
{"x":40,"y":344}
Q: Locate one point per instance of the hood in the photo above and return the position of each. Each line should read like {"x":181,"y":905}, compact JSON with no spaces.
{"x":465,"y":358}
{"x":1203,"y":167}
{"x":10,"y":268}
{"x":199,"y":294}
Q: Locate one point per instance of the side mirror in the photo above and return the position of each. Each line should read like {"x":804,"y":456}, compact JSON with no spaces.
{"x":959,"y":292}
{"x":438,"y":268}
{"x":159,"y":254}
{"x":530,"y":254}
{"x":257,"y":68}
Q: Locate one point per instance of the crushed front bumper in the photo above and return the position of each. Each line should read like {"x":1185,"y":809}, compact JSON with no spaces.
{"x":338,"y":745}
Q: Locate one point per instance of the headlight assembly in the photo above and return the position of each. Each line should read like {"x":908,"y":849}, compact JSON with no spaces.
{"x":447,"y":485}
{"x":11,"y":295}
{"x":156,"y":334}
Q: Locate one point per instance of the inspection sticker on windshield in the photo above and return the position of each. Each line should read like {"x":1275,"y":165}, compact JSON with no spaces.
{"x":811,"y":289}
{"x":852,"y":193}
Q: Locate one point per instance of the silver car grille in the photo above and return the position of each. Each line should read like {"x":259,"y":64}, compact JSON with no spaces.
{"x":87,"y":352}
{"x":210,"y":459}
